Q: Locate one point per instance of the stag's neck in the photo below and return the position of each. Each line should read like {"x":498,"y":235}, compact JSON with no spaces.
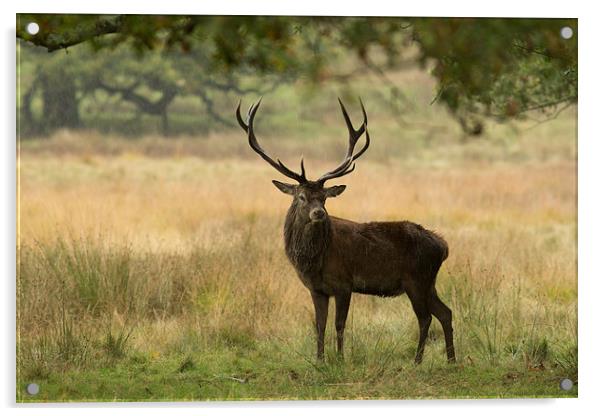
{"x":305,"y":242}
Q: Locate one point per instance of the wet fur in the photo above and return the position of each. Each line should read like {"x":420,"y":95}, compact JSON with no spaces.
{"x":372,"y":258}
{"x":305,"y":242}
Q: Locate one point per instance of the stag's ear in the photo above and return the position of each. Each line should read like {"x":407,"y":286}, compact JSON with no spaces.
{"x":285,"y":187}
{"x":335,"y":191}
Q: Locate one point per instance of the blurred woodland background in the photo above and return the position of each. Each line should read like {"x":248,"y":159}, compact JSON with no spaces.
{"x":175,"y":74}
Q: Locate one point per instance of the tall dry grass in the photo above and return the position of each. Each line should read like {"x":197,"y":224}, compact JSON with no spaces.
{"x":124,"y":253}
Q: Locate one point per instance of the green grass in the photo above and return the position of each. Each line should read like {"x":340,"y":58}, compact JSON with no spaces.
{"x":270,"y":373}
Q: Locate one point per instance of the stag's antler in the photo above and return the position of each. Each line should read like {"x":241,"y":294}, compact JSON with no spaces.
{"x":346,"y":166}
{"x":278,"y":165}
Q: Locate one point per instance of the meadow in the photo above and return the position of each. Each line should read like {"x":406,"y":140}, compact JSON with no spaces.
{"x":153,"y":269}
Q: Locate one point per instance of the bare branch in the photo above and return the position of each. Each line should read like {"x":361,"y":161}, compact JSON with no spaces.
{"x":83,"y":32}
{"x":548,"y":104}
{"x":215,"y":114}
{"x":144,"y":104}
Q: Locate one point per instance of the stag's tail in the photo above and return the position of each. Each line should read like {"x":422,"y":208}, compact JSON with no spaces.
{"x":445,"y":249}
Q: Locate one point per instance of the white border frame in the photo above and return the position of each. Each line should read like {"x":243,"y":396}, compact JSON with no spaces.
{"x":590,"y":207}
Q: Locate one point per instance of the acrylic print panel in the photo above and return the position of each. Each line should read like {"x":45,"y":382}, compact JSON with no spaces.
{"x":157,"y":262}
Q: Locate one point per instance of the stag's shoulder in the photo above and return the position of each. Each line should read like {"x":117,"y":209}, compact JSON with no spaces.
{"x":343,"y":223}
{"x":348,"y":230}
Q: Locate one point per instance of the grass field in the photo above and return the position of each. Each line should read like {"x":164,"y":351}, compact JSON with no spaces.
{"x":154,"y":269}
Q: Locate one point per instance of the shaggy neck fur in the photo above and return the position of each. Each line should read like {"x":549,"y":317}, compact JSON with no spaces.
{"x":305,"y":241}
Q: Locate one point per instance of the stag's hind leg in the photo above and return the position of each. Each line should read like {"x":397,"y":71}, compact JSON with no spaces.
{"x":421,"y":309}
{"x":444,"y":314}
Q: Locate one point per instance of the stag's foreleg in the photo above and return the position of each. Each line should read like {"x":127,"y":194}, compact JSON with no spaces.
{"x":342,"y":307}
{"x":321,"y":308}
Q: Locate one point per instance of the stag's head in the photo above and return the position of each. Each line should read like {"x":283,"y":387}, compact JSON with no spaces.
{"x":309,"y":197}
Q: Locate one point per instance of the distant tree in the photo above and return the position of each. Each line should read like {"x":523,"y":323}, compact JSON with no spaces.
{"x":497,"y":68}
{"x":148,"y":82}
{"x":56,"y":84}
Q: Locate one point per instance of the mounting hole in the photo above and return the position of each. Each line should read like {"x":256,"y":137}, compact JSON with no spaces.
{"x":566,"y":384}
{"x":566,"y":32}
{"x":33,"y":389}
{"x":32,"y":28}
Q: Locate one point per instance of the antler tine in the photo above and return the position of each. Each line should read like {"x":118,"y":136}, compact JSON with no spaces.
{"x":239,"y":118}
{"x":346,"y":171}
{"x":248,"y":128}
{"x":344,"y":168}
{"x":354,"y":135}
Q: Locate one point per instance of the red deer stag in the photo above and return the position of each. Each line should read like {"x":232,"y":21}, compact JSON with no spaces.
{"x":337,"y":257}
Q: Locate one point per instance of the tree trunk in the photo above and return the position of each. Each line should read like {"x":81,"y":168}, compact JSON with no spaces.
{"x":60,"y":100}
{"x":165,"y":122}
{"x":27,"y":123}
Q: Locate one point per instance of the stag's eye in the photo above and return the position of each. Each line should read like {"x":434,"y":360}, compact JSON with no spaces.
{"x":302,"y":198}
